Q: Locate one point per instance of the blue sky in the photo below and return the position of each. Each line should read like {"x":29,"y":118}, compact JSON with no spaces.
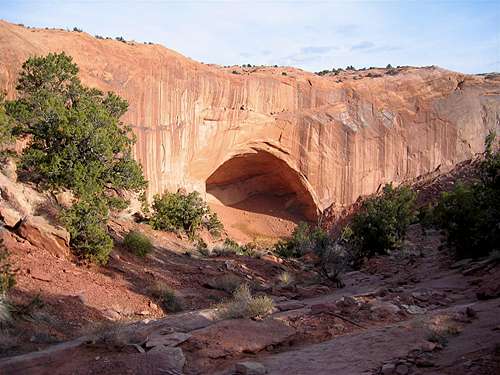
{"x":313,"y":35}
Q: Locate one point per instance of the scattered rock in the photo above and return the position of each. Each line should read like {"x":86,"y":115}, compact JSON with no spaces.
{"x":250,"y":368}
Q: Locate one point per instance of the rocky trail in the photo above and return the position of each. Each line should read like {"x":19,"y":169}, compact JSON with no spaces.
{"x":415,"y":313}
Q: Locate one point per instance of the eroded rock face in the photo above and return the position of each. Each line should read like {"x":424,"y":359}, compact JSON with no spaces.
{"x":339,"y":136}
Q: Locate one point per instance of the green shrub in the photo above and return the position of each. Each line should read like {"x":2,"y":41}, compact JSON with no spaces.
{"x":470,"y":214}
{"x":230,"y":247}
{"x":5,"y":128}
{"x":244,"y":305}
{"x":76,"y":142}
{"x":166,"y":297}
{"x":303,"y":239}
{"x":179,"y":211}
{"x":137,"y":243}
{"x":85,"y":222}
{"x":381,"y":223}
{"x":7,"y":279}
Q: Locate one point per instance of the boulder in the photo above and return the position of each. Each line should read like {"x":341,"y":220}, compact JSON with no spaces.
{"x":21,"y":197}
{"x":490,"y":289}
{"x":388,"y":369}
{"x":10,"y":216}
{"x":250,"y":368}
{"x":402,"y":370}
{"x":384,"y":308}
{"x":172,"y":358}
{"x":40,"y":233}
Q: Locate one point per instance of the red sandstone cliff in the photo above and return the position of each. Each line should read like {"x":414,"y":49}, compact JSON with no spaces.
{"x":316,"y":141}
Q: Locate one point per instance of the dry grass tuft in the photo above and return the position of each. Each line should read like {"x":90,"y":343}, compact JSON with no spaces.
{"x":244,"y":305}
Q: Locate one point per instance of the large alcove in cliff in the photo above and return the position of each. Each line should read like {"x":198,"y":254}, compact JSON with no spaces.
{"x":260,"y":182}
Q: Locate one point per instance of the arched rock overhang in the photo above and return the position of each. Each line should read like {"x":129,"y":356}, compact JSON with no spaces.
{"x":259,"y":180}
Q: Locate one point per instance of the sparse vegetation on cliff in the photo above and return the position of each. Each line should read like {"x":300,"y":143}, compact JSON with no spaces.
{"x":76,"y":142}
{"x":185,"y":212}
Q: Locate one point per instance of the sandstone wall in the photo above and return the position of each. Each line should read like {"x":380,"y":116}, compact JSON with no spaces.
{"x":343,"y":135}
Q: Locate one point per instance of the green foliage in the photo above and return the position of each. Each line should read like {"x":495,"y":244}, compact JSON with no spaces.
{"x":470,"y":214}
{"x":5,"y":127}
{"x":303,"y":239}
{"x":86,"y":224}
{"x":137,"y":243}
{"x":76,"y":142}
{"x":381,"y":223}
{"x":7,"y":279}
{"x":76,"y":139}
{"x":186,"y":212}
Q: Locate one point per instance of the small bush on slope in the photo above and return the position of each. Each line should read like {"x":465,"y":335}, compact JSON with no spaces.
{"x":166,"y":297}
{"x":381,"y":223}
{"x":138,"y":243}
{"x":186,"y":212}
{"x":303,"y":239}
{"x":470,"y":214}
{"x":5,"y":129}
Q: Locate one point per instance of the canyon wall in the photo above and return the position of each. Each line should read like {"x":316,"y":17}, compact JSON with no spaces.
{"x":333,"y":138}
